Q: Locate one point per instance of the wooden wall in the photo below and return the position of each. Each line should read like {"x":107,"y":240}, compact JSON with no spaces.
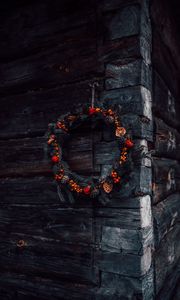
{"x":50,"y":52}
{"x":166,"y":156}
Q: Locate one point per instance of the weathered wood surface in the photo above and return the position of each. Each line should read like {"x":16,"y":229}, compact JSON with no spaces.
{"x":29,"y":156}
{"x":141,"y":154}
{"x":165,"y":46}
{"x":45,"y":26}
{"x":33,"y":110}
{"x":138,"y":184}
{"x":108,"y":5}
{"x":42,"y":190}
{"x":48,"y":67}
{"x":166,"y":214}
{"x":146,"y":33}
{"x":116,"y":240}
{"x":48,"y":258}
{"x":127,"y":72}
{"x":163,"y":97}
{"x":170,"y":289}
{"x":30,"y":287}
{"x":124,"y":264}
{"x":66,"y":224}
{"x":23,"y":157}
{"x":33,"y":190}
{"x":125,"y":218}
{"x":58,"y":62}
{"x":75,"y":223}
{"x":114,"y":49}
{"x":138,"y":126}
{"x":167,"y":255}
{"x":166,"y":108}
{"x":166,"y":178}
{"x":122,"y":22}
{"x":114,"y":285}
{"x":176,"y":291}
{"x":132,"y":99}
{"x":69,"y":247}
{"x":167,"y":141}
{"x":48,"y":70}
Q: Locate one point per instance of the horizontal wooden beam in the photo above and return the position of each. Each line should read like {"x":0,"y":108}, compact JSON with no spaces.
{"x":166,"y":214}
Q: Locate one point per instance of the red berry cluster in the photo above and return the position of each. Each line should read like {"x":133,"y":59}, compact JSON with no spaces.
{"x":115,"y":177}
{"x":93,"y":110}
{"x":52,"y":140}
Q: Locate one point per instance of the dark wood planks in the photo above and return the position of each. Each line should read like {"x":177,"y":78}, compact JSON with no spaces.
{"x":35,"y":109}
{"x":127,"y":72}
{"x":170,"y":290}
{"x":167,"y":256}
{"x":163,"y":97}
{"x":31,"y":287}
{"x":166,"y":215}
{"x":45,"y":26}
{"x":131,"y":286}
{"x":167,"y":141}
{"x":128,"y":264}
{"x":166,"y":178}
{"x":165,"y":44}
{"x":166,"y":167}
{"x":67,"y":224}
{"x":62,"y":52}
{"x":48,"y":258}
{"x":136,"y":99}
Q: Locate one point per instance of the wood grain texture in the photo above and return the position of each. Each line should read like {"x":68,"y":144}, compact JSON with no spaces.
{"x":31,"y":287}
{"x":167,"y":143}
{"x":165,"y":43}
{"x":166,"y":173}
{"x":29,"y":156}
{"x":138,"y":288}
{"x":42,"y":190}
{"x":167,"y":256}
{"x":127,"y":72}
{"x":51,"y":221}
{"x":166,"y":215}
{"x":44,"y":26}
{"x":163,"y":97}
{"x":33,"y":110}
{"x":107,"y":5}
{"x":36,"y":108}
{"x":84,"y":250}
{"x":48,"y":70}
{"x":115,"y":239}
{"x":28,"y":191}
{"x":48,"y":258}
{"x":146,"y":33}
{"x":134,"y":217}
{"x":114,"y":49}
{"x":138,"y":126}
{"x":132,"y":99}
{"x":170,"y":290}
{"x":123,"y":22}
{"x":130,"y":265}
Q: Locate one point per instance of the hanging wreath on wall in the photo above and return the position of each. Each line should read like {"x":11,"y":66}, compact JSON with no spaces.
{"x":60,"y":132}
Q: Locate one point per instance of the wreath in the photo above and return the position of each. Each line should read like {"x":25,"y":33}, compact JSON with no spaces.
{"x":60,"y":132}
